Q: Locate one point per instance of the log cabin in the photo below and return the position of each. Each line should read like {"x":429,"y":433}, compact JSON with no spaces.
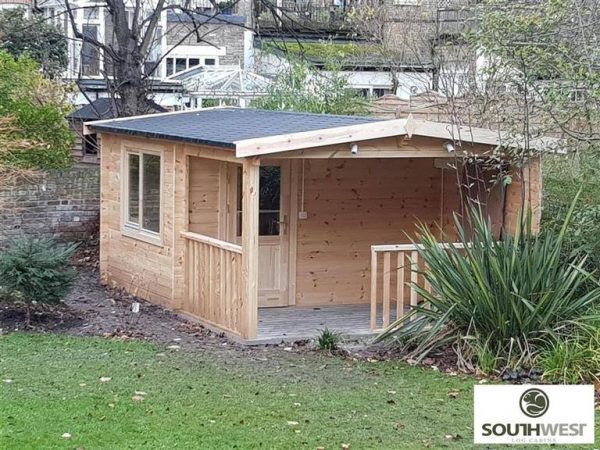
{"x":270,"y":225}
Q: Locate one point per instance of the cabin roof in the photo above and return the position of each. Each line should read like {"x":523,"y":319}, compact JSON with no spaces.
{"x":254,"y":132}
{"x":223,"y":127}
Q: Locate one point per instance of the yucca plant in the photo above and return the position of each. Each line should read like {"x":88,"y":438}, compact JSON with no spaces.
{"x":507,"y":295}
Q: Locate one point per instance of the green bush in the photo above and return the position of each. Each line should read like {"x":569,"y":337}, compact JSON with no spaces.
{"x":506,"y":297}
{"x":38,"y":107}
{"x":572,"y":359}
{"x":564,"y":176}
{"x":329,"y":340}
{"x":37,"y":270}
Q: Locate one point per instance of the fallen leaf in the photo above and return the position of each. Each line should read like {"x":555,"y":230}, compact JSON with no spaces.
{"x":453,"y":437}
{"x":291,"y":423}
{"x":425,"y":443}
{"x":82,"y":384}
{"x":173,"y":347}
{"x":105,"y":379}
{"x":345,"y":446}
{"x":138,"y":398}
{"x":453,"y":393}
{"x":391,"y":392}
{"x":66,"y":435}
{"x":297,"y":404}
{"x":140,"y":393}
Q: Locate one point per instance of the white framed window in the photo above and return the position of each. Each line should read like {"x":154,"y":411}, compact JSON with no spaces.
{"x":142,"y":186}
{"x":178,"y":64}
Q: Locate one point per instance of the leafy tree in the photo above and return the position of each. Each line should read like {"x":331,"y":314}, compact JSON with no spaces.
{"x":35,"y":134}
{"x":36,"y":37}
{"x":551,"y":48}
{"x":301,"y":87}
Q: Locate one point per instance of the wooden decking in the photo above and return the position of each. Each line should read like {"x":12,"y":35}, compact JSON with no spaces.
{"x":295,"y":323}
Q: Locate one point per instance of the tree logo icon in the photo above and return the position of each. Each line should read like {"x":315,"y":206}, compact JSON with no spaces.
{"x":534,"y":402}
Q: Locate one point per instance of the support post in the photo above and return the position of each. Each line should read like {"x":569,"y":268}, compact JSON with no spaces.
{"x":250,"y":192}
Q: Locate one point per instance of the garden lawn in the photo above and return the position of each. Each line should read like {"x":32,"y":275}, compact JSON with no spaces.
{"x":110,"y":394}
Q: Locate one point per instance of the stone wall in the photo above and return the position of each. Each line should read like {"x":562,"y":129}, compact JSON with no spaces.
{"x":220,"y":35}
{"x":63,"y":204}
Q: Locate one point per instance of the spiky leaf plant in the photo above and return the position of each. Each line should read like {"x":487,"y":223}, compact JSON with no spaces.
{"x":507,"y":295}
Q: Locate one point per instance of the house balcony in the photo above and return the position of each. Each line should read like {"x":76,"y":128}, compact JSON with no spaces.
{"x":304,"y":16}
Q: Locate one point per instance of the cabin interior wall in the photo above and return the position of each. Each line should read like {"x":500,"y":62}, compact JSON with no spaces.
{"x":351,"y":204}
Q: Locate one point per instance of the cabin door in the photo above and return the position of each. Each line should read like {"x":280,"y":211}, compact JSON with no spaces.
{"x":273,"y":233}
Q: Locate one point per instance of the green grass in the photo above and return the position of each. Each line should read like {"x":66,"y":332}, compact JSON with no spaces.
{"x":220,"y":399}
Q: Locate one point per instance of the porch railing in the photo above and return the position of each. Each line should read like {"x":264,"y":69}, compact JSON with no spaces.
{"x":213,"y":280}
{"x":394,"y":273}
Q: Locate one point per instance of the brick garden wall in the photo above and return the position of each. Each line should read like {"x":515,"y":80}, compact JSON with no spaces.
{"x":64,"y":204}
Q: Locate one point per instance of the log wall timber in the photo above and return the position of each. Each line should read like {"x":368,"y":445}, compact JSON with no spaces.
{"x":353,"y":204}
{"x":525,"y":189}
{"x":141,"y":268}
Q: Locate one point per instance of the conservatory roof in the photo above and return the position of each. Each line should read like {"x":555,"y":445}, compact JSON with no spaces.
{"x":222,"y":81}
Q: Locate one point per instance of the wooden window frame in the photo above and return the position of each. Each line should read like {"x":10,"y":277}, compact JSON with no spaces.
{"x":135,"y":230}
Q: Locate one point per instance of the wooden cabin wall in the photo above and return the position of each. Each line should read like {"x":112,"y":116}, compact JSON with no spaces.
{"x":204,"y":205}
{"x":141,"y":268}
{"x":353,"y":204}
{"x":525,"y":190}
{"x":211,"y":197}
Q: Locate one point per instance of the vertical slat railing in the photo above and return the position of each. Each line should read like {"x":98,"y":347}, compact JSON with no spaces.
{"x":387,"y":278}
{"x":213,"y":291}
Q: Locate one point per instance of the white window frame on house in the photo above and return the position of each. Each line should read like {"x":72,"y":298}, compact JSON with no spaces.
{"x":170,"y":63}
{"x":129,"y":228}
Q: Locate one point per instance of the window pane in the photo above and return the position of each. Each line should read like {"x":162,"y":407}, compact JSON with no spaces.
{"x":210,"y":62}
{"x":269,"y":199}
{"x":180,"y":64}
{"x":194,"y":62}
{"x":133,"y":205}
{"x":151,"y":193}
{"x":90,"y":61}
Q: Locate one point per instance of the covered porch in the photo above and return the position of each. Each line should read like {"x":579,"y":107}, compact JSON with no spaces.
{"x":281,"y":244}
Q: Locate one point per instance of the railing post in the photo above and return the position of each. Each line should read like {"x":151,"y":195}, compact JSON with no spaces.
{"x":414,"y":277}
{"x":400,"y":285}
{"x":386,"y":289}
{"x":373,"y":289}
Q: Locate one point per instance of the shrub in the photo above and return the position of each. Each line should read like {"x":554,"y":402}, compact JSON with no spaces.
{"x":37,"y":270}
{"x":564,"y":176}
{"x":329,"y":340}
{"x":572,"y":357}
{"x":507,"y":297}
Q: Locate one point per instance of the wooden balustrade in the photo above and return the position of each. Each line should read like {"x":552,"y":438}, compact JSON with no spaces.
{"x":400,"y":265}
{"x":213,"y":281}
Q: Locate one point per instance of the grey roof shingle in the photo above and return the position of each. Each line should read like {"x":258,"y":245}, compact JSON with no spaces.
{"x":222,"y":127}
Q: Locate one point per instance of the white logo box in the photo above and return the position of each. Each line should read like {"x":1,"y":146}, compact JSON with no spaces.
{"x":500,"y":419}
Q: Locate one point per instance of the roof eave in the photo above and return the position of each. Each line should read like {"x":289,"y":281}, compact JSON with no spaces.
{"x":319,"y":138}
